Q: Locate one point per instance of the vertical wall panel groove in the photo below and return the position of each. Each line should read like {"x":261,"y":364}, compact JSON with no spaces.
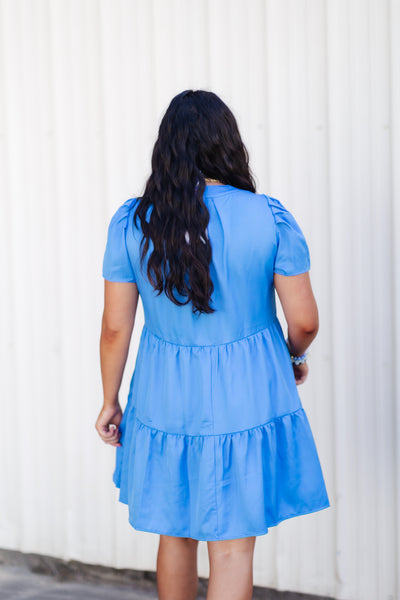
{"x":394,"y":101}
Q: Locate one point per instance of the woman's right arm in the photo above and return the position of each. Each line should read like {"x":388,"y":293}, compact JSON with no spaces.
{"x":300,"y":310}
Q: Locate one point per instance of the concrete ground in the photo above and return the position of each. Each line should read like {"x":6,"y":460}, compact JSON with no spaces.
{"x":16,"y":583}
{"x":37,"y":577}
{"x":40,"y":577}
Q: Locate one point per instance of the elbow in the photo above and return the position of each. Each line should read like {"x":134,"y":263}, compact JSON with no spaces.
{"x":109,"y":334}
{"x":112,"y":331}
{"x":311,"y":331}
{"x":307,"y":325}
{"x":310,"y":326}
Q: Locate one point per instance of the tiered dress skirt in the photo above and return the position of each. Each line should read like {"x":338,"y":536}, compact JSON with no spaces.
{"x":215,"y":443}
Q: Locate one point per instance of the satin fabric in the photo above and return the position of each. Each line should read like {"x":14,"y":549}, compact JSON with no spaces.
{"x":215,"y":441}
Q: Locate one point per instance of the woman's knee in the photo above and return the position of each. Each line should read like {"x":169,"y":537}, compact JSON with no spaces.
{"x":180,"y":541}
{"x":228,"y":547}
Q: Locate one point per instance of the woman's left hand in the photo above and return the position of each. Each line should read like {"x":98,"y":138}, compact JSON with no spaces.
{"x":107,"y":424}
{"x":300,"y":372}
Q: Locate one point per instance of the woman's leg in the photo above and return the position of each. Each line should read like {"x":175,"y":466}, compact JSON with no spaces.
{"x":231,"y":569}
{"x":177,"y":577}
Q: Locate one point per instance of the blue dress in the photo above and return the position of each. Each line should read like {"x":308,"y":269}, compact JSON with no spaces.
{"x":215,"y":442}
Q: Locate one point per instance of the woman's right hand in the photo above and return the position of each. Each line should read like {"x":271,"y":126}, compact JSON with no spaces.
{"x":300,"y":373}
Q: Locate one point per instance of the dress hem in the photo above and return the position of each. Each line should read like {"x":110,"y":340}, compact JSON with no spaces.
{"x":263,"y":531}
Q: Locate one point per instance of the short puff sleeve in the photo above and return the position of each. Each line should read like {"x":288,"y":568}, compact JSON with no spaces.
{"x":292,"y":255}
{"x":117,"y":265}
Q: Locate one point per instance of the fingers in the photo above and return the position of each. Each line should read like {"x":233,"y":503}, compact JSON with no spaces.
{"x":113,"y":435}
{"x":299,"y":379}
{"x":110,"y":435}
{"x":107,"y":425}
{"x":300,"y":373}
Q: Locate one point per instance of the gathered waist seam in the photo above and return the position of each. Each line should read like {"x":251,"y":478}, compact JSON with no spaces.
{"x":264,"y":328}
{"x":292,"y":413}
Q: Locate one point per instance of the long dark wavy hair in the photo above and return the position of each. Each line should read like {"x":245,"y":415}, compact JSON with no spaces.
{"x":198,"y":138}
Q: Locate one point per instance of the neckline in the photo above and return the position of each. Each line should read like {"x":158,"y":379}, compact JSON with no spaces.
{"x":212,"y":189}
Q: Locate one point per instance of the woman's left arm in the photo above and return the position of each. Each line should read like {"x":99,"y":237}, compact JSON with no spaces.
{"x":120,"y":304}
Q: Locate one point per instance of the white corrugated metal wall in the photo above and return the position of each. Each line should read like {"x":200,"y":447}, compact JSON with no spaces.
{"x":315,"y":86}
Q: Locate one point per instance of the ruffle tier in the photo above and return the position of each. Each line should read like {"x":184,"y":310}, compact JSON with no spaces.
{"x":194,"y":389}
{"x":222,"y":486}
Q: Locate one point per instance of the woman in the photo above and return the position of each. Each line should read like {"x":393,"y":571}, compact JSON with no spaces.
{"x":214,"y":443}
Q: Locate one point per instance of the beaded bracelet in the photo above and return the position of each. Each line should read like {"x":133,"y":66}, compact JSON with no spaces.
{"x":297,"y":360}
